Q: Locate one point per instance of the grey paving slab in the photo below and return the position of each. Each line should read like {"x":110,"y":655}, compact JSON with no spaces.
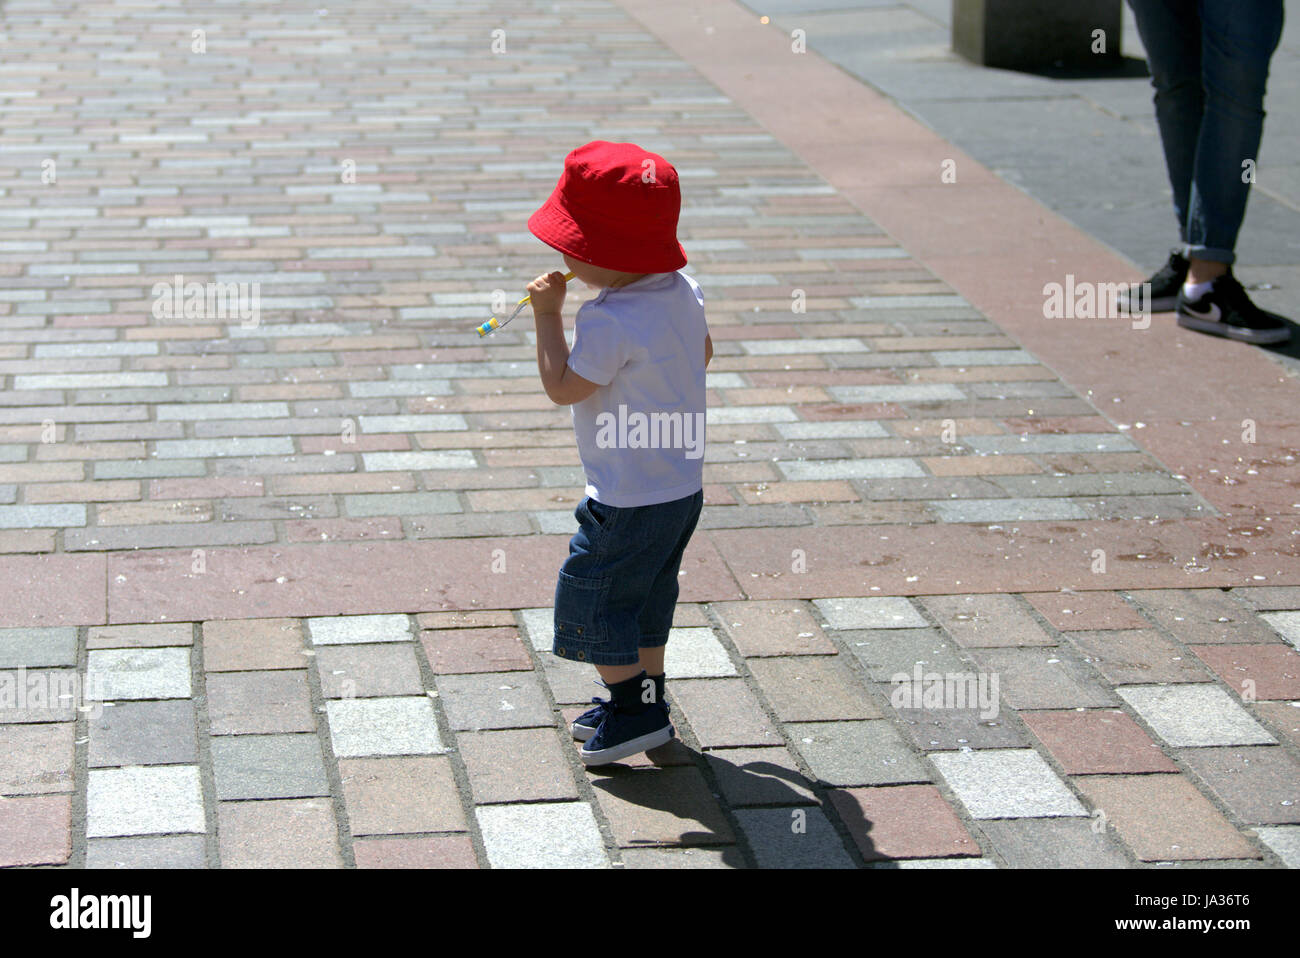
{"x":268,"y":766}
{"x":400,"y":725}
{"x":491,"y":700}
{"x":143,"y":733}
{"x":144,"y":801}
{"x":38,"y":647}
{"x":696,"y":653}
{"x":162,"y":851}
{"x":1194,"y":715}
{"x":1054,"y":843}
{"x":156,"y":673}
{"x":792,"y":838}
{"x":1006,"y":783}
{"x":355,"y":629}
{"x":555,"y":835}
{"x":886,"y":653}
{"x":887,"y":612}
{"x":857,"y":753}
{"x":1043,"y":679}
{"x":758,"y":776}
{"x":1283,"y":841}
{"x":366,"y":671}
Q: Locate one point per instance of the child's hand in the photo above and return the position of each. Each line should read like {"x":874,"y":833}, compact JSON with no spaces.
{"x":547,"y":293}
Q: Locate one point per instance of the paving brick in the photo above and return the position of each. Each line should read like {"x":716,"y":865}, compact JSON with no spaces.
{"x":1086,"y":611}
{"x":857,"y":753}
{"x":293,"y":833}
{"x":1194,"y":715}
{"x":157,"y":851}
{"x":1164,"y":818}
{"x":1269,"y":598}
{"x":939,"y":728}
{"x":886,"y":653}
{"x":696,"y":653}
{"x":723,"y":713}
{"x":1054,"y":843}
{"x":1136,"y":656}
{"x":139,"y":636}
{"x":37,"y":758}
{"x":496,"y":775}
{"x":451,"y":651}
{"x":493,"y":700}
{"x":759,"y":776}
{"x":772,"y":628}
{"x":821,"y":470}
{"x":553,"y":835}
{"x":367,"y":671}
{"x":1287,"y":625}
{"x":902,"y":821}
{"x":1258,"y":784}
{"x":36,"y":830}
{"x":268,"y":766}
{"x":1284,"y":717}
{"x":423,"y":852}
{"x":1006,"y":783}
{"x":793,"y":838}
{"x":36,"y":647}
{"x":1097,"y":743}
{"x":1283,"y":841}
{"x":250,"y":703}
{"x":728,"y":856}
{"x":241,"y":645}
{"x":355,"y":629}
{"x":1198,"y":616}
{"x":400,"y":725}
{"x":148,"y":673}
{"x":881,"y":613}
{"x":144,"y":801}
{"x":1043,"y":679}
{"x":143,"y":733}
{"x":661,"y":806}
{"x":986,"y":621}
{"x":169,"y":535}
{"x":392,"y":796}
{"x":813,"y":689}
{"x":1255,"y":672}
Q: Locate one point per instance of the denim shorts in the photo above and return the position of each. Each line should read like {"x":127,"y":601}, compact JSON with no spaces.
{"x":618,"y":588}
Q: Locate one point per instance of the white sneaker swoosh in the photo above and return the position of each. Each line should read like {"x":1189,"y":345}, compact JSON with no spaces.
{"x":1214,"y":314}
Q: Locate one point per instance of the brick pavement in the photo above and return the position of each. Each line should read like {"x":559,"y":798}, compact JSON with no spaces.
{"x":302,"y":565}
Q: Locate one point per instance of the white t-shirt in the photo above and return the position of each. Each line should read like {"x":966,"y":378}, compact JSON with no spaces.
{"x":641,"y":434}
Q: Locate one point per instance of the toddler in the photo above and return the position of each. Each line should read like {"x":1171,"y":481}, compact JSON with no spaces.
{"x":635,"y":381}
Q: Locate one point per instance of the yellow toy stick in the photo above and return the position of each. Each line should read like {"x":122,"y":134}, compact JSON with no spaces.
{"x":495,"y":324}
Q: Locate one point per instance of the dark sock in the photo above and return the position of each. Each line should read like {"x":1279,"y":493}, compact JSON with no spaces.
{"x":626,"y":695}
{"x":659,"y":686}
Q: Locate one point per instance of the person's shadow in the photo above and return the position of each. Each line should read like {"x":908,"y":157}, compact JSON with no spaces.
{"x":784,"y":823}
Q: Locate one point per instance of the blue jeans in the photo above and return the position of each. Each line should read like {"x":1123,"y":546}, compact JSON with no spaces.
{"x":618,"y":588}
{"x":1209,"y":66}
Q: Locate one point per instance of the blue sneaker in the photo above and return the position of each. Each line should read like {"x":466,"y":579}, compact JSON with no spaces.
{"x":621,"y":735}
{"x":585,"y":725}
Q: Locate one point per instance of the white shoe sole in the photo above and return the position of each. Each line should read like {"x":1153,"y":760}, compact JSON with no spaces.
{"x":581,"y":732}
{"x":1253,"y":336}
{"x":631,"y":747}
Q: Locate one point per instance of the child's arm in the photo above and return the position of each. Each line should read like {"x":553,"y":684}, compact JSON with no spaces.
{"x":708,"y":349}
{"x":563,"y":386}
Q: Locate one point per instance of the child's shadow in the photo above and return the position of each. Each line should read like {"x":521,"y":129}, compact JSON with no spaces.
{"x":781,"y":820}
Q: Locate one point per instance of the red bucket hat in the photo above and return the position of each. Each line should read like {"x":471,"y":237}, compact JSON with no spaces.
{"x":615,"y":207}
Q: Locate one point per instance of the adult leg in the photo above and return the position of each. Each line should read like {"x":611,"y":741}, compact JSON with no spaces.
{"x":1171,"y":33}
{"x":1238,"y":40}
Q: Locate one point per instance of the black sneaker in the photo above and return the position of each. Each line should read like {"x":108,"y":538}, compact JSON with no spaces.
{"x":1165,"y":284}
{"x":1226,"y":310}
